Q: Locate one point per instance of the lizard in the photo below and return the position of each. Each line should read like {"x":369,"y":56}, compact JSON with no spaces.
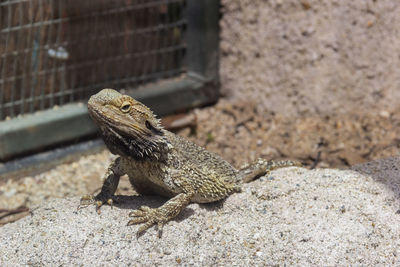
{"x":160,"y":162}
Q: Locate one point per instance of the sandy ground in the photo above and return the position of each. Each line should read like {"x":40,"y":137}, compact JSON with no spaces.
{"x":293,"y":216}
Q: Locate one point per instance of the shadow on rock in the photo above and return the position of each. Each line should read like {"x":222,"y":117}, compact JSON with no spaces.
{"x":385,"y":171}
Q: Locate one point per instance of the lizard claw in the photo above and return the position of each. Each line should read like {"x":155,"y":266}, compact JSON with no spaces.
{"x":98,"y":201}
{"x":110,"y":202}
{"x":86,"y":201}
{"x":149,"y":217}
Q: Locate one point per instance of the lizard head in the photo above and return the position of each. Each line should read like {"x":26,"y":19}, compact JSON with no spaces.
{"x":128,"y":127}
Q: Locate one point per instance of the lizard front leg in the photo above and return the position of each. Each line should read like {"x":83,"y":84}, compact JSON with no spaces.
{"x":160,"y":215}
{"x":108,"y":189}
{"x":170,"y":209}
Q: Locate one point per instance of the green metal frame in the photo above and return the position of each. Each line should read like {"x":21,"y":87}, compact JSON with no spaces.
{"x":70,"y":122}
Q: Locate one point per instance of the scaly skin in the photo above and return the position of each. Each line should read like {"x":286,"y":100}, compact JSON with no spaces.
{"x":160,"y":162}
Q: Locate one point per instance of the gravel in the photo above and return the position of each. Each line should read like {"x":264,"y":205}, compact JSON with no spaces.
{"x":293,"y":216}
{"x":72,"y":179}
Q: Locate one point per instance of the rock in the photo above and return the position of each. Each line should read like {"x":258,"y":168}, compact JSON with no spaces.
{"x":296,"y":218}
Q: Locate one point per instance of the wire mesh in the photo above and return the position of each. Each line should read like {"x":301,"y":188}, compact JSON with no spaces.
{"x":55,"y":52}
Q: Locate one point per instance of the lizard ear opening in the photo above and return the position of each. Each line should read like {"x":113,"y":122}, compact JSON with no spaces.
{"x":152,"y":128}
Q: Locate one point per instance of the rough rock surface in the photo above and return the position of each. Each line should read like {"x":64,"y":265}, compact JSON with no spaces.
{"x":293,"y":216}
{"x":312,"y":56}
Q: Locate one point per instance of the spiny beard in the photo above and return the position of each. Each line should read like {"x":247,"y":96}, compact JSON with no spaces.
{"x":139,"y":148}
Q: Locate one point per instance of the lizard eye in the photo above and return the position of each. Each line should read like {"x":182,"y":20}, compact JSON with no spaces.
{"x":125,"y":107}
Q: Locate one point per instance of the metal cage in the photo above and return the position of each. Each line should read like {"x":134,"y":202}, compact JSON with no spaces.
{"x":55,"y":54}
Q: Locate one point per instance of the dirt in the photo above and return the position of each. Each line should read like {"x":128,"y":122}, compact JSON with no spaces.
{"x":240,"y":133}
{"x":310,"y":57}
{"x":312,"y":80}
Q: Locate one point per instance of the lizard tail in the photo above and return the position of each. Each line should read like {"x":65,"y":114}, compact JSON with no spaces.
{"x":261,"y":167}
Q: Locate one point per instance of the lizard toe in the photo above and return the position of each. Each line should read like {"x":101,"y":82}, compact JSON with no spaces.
{"x":86,"y":201}
{"x":137,"y":213}
{"x":137,"y":220}
{"x":147,"y":216}
{"x":98,"y":201}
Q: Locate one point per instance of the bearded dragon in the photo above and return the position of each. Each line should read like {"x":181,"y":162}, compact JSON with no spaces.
{"x":160,"y":162}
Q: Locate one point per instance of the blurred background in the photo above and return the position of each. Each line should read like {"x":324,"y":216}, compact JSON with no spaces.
{"x":316,"y":81}
{"x":58,"y":52}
